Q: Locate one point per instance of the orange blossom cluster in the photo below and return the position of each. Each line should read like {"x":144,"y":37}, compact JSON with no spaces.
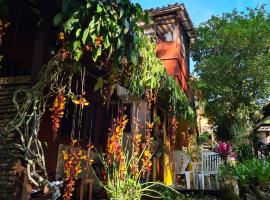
{"x":174,"y":124}
{"x":136,"y":148}
{"x":151,"y":96}
{"x":58,"y":112}
{"x":81,"y":101}
{"x":114,"y":147}
{"x":72,"y":168}
{"x":147,"y":155}
{"x":64,"y":52}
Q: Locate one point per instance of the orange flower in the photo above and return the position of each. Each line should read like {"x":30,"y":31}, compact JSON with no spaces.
{"x":61,"y":36}
{"x":147,"y":153}
{"x":98,"y":41}
{"x":64,"y":53}
{"x":149,"y":125}
{"x":122,"y":170}
{"x":173,"y":130}
{"x":72,"y":167}
{"x":81,"y":101}
{"x":114,"y":146}
{"x":58,"y":112}
{"x":90,"y":147}
{"x":88,"y":47}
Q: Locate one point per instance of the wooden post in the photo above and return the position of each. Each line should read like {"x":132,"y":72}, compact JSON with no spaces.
{"x":168,"y":175}
{"x":86,"y":182}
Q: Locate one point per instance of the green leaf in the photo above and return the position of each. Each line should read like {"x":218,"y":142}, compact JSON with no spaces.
{"x":121,"y":13}
{"x":77,"y":49}
{"x":78,"y":32}
{"x":99,"y":84}
{"x":85,"y":35}
{"x":96,"y":54}
{"x":78,"y":54}
{"x":76,"y":45}
{"x":126,"y":27}
{"x":91,"y":26}
{"x":98,"y":28}
{"x":99,"y":8}
{"x":70,"y":24}
{"x":57,"y":19}
{"x":134,"y":58}
{"x":119,"y":42}
{"x":106,"y":42}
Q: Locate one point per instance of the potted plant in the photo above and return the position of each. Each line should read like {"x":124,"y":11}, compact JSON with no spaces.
{"x":228,"y":183}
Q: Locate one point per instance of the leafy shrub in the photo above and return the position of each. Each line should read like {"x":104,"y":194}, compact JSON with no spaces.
{"x":244,"y":151}
{"x":253,"y":171}
{"x":204,"y":137}
{"x":171,"y":194}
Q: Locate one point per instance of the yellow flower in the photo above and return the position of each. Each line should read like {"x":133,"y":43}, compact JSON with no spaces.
{"x":61,"y":36}
{"x":99,"y":41}
{"x":122,"y":168}
{"x":81,"y":101}
{"x":117,"y":129}
{"x":147,"y":153}
{"x":150,"y":125}
{"x":90,"y":161}
{"x":73,"y":142}
{"x":65,"y":156}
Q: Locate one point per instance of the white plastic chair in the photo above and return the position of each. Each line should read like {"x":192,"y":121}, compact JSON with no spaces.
{"x":180,"y":161}
{"x":210,"y":162}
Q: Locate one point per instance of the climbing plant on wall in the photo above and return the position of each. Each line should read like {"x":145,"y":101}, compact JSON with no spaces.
{"x":106,"y":35}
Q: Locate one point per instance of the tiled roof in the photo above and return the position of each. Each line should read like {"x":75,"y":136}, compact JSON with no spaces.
{"x":169,"y":6}
{"x":181,"y":10}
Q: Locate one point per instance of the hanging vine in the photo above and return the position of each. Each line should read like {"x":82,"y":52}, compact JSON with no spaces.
{"x":94,"y":34}
{"x":26,"y":122}
{"x":106,"y":35}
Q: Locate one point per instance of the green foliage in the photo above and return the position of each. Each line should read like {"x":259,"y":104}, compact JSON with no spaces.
{"x":106,"y":34}
{"x":244,"y":151}
{"x":169,"y":193}
{"x":226,"y":171}
{"x":113,"y":22}
{"x":150,"y":71}
{"x":232,"y":61}
{"x":177,"y":99}
{"x":204,"y":137}
{"x":254,"y":171}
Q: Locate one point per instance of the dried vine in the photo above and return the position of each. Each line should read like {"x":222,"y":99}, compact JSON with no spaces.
{"x":26,"y":122}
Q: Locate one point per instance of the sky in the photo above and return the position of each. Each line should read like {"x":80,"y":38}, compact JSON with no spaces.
{"x":202,"y":10}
